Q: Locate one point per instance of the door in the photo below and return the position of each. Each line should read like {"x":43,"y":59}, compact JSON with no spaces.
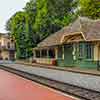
{"x":68,"y":56}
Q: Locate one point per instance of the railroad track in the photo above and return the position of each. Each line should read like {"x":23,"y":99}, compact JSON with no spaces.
{"x":84,"y":94}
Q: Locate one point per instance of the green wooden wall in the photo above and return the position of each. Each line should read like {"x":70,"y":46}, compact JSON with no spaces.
{"x":69,"y":61}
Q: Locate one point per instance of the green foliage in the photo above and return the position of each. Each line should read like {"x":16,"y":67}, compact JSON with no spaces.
{"x":51,"y":16}
{"x":18,"y":32}
{"x":90,"y":8}
{"x":39,"y":19}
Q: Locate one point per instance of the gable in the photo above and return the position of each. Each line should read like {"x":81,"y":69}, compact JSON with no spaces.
{"x":72,"y":38}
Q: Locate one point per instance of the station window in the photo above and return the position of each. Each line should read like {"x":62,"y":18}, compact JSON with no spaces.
{"x":44,"y":53}
{"x":37,"y":53}
{"x":52,"y":53}
{"x":89,"y":50}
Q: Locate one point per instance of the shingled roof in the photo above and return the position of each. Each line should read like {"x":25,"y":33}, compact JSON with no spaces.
{"x":89,"y":28}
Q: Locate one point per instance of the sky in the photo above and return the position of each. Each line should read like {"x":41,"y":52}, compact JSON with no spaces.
{"x":7,"y":9}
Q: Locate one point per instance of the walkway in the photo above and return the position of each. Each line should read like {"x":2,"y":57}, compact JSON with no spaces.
{"x":75,"y":69}
{"x":13,"y":87}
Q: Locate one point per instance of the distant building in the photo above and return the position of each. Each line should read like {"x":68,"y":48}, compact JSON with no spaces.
{"x":75,"y":45}
{"x":7,"y":47}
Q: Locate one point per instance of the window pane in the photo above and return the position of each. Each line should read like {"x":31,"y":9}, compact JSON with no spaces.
{"x":89,"y":50}
{"x":52,"y":53}
{"x":37,"y":53}
{"x":44,"y":53}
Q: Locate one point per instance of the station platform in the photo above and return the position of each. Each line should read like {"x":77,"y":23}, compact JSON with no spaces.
{"x":13,"y":87}
{"x":73,"y":69}
{"x":84,"y":80}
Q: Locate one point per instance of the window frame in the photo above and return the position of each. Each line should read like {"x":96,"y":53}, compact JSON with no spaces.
{"x":89,"y":50}
{"x":37,"y":53}
{"x":44,"y":53}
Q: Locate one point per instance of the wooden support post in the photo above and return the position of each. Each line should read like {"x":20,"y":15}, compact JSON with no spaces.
{"x":34,"y":52}
{"x":63,"y":52}
{"x":47,"y":53}
{"x":56,"y":53}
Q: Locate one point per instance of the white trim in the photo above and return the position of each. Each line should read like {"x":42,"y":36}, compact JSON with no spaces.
{"x":71,"y":34}
{"x":83,"y":36}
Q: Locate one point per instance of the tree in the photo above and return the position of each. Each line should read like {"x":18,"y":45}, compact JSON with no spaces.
{"x":52,"y":15}
{"x":90,"y":8}
{"x":16,"y":26}
{"x":39,"y":19}
{"x":20,"y":27}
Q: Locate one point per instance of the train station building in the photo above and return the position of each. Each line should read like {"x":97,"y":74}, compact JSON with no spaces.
{"x":75,"y":45}
{"x":7,"y":47}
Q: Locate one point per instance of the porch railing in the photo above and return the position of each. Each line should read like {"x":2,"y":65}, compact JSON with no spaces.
{"x":44,"y":60}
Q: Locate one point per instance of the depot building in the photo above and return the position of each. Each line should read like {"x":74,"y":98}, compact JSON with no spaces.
{"x":75,"y":45}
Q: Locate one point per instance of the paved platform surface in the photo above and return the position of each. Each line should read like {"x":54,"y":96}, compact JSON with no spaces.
{"x":13,"y":87}
{"x":82,"y":80}
{"x":75,"y":69}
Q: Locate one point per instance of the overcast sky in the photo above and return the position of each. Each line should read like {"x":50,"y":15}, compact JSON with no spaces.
{"x":7,"y":9}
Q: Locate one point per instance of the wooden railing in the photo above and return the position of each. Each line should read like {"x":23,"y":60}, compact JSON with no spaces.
{"x":44,"y":60}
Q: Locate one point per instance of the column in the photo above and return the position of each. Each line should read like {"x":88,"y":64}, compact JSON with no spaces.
{"x":56,"y":53}
{"x":47,"y":53}
{"x":96,"y":52}
{"x":34,"y":54}
{"x":63,"y":52}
